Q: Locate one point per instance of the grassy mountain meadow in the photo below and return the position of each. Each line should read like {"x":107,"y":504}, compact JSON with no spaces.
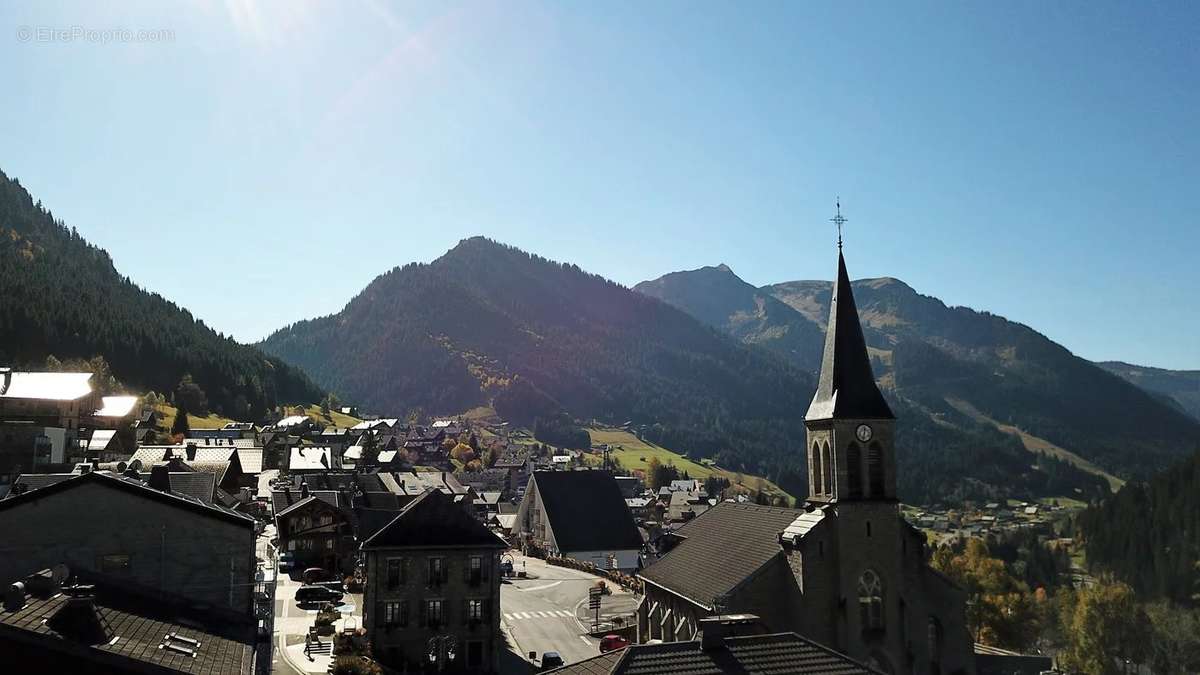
{"x":969,"y":379}
{"x":61,"y":296}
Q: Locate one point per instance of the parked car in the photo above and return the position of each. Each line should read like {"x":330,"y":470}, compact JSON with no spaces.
{"x":314,"y":574}
{"x":609,"y":643}
{"x":506,"y":568}
{"x":313,"y":593}
{"x":551,"y":660}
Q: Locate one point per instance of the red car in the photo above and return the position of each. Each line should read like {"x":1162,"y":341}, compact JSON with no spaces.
{"x":610,"y":642}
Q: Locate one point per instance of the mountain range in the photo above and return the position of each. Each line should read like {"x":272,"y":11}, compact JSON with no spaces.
{"x":957,"y":367}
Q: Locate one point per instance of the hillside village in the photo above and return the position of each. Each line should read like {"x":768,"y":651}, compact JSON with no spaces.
{"x":322,"y":534}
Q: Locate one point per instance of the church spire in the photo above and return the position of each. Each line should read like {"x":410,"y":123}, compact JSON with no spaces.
{"x":846,"y":389}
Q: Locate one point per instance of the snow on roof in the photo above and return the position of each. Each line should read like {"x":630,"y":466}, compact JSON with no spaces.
{"x":442,"y":424}
{"x":387,"y":456}
{"x":116,"y":406}
{"x":46,"y":386}
{"x":353,"y":452}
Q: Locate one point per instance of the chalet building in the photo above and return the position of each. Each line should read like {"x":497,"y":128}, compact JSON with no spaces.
{"x":433,"y":589}
{"x":224,"y":462}
{"x":580,"y":515}
{"x":846,"y":570}
{"x":316,"y":526}
{"x":110,"y":627}
{"x":728,"y":644}
{"x":119,"y":529}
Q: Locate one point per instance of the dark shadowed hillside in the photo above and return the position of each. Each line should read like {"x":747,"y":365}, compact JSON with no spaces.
{"x":489,"y":323}
{"x":1180,"y":387}
{"x":966,"y":372}
{"x":61,"y":296}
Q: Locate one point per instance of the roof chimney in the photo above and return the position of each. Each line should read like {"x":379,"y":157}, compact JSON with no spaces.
{"x":77,"y":619}
{"x":160,"y":477}
{"x":303,"y":489}
{"x":191,"y":452}
{"x":714,"y":630}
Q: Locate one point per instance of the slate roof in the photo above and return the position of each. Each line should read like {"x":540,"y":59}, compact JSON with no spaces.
{"x":846,"y":388}
{"x":282,"y":499}
{"x":779,"y":653}
{"x":433,"y":520}
{"x":198,"y":484}
{"x":139,"y":629}
{"x":720,"y":548}
{"x":586,"y":511}
{"x":137,"y":487}
{"x":37,"y":481}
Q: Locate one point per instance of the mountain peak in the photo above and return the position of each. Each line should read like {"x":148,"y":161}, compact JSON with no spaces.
{"x":724,"y":268}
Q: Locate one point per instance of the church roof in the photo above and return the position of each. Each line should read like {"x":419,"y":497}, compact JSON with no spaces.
{"x":721,"y":548}
{"x":846,"y":389}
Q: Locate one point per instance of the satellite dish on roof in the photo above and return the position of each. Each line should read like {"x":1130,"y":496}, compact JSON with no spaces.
{"x":60,"y":573}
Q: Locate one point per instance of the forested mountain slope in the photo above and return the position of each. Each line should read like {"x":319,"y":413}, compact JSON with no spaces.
{"x":960,"y":369}
{"x":61,"y":296}
{"x":487,"y":323}
{"x":1181,"y":387}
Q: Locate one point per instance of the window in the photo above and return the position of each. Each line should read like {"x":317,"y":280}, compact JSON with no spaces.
{"x":474,"y":611}
{"x":395,"y":613}
{"x":474,"y":654}
{"x":935,"y":646}
{"x":854,"y":471}
{"x":474,"y":570}
{"x":870,"y":601}
{"x":437,"y":571}
{"x":395,"y":573}
{"x":329,"y":544}
{"x":875,"y":470}
{"x":114,"y":564}
{"x":827,"y":463}
{"x":433,"y":613}
{"x":818,"y":474}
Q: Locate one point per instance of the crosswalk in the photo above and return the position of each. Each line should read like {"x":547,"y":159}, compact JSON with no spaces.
{"x":549,"y":614}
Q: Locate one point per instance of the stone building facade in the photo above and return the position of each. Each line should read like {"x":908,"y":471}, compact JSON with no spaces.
{"x":433,"y":590}
{"x":121,"y":530}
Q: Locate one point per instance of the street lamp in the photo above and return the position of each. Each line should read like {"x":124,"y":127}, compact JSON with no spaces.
{"x":439,"y":644}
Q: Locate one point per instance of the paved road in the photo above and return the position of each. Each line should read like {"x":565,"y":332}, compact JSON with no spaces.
{"x":543,"y":613}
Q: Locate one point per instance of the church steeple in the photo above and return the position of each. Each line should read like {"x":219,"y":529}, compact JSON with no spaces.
{"x":846,"y":389}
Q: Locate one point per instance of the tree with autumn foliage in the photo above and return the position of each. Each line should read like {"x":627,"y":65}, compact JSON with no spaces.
{"x":1001,"y":612}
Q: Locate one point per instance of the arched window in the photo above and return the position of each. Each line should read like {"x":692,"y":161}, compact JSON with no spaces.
{"x":854,"y":471}
{"x":818,"y":474}
{"x":870,"y":601}
{"x":828,"y":464}
{"x":935,"y":646}
{"x":875,"y":470}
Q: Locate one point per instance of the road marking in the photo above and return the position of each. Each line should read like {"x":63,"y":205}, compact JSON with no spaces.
{"x":585,"y":641}
{"x":509,"y":617}
{"x":539,"y":588}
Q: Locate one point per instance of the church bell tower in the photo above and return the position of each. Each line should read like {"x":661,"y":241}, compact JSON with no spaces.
{"x":850,"y":439}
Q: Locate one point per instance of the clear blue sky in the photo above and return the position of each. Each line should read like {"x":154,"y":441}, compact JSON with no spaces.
{"x":1037,"y":160}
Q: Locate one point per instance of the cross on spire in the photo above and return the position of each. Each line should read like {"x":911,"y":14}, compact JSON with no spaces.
{"x":839,"y":220}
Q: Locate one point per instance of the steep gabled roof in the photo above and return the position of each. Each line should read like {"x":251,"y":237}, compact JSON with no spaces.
{"x":587,"y":511}
{"x":846,"y":389}
{"x":136,"y":487}
{"x":433,"y":520}
{"x":721,"y":548}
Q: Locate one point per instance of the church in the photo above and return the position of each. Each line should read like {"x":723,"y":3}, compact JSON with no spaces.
{"x":846,"y":570}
